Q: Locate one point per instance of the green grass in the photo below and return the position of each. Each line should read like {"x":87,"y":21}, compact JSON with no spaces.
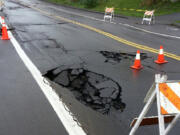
{"x":177,"y":21}
{"x":67,"y":2}
{"x":160,"y":9}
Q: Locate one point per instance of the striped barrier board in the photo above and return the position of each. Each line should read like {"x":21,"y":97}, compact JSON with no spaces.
{"x":169,"y":98}
{"x":109,"y":10}
{"x":149,"y":12}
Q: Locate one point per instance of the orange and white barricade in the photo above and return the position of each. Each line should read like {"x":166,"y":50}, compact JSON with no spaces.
{"x":109,"y":14}
{"x":1,"y":5}
{"x":167,"y":94}
{"x":149,"y":17}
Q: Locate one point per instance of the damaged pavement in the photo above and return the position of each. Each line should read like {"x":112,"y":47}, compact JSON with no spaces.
{"x":89,"y":71}
{"x":94,"y":90}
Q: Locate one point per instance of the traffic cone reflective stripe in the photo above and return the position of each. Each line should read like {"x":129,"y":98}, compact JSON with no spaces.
{"x":137,"y":62}
{"x":2,"y":20}
{"x":4,"y":33}
{"x":161,"y":59}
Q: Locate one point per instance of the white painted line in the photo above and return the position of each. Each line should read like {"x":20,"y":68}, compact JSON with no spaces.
{"x":155,"y":33}
{"x":113,"y":22}
{"x":67,"y":120}
{"x":127,"y":25}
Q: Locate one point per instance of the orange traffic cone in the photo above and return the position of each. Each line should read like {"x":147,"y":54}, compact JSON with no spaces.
{"x":4,"y":33}
{"x":137,"y":62}
{"x":160,"y":59}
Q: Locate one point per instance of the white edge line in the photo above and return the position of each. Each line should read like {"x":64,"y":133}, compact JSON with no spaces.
{"x":155,"y":33}
{"x":67,"y":120}
{"x":127,"y":25}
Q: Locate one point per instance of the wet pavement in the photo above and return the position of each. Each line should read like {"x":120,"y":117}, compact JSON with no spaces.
{"x":91,"y":72}
{"x":24,"y":110}
{"x":164,"y":24}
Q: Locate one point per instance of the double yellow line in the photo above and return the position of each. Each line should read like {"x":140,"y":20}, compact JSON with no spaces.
{"x":119,"y":39}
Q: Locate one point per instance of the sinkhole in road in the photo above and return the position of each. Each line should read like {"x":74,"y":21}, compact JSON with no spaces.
{"x":92,"y":89}
{"x":112,"y":57}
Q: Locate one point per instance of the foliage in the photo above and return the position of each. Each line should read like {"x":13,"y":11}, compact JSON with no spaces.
{"x":161,"y":6}
{"x":90,"y":3}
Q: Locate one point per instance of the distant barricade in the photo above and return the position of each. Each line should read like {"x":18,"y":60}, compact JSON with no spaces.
{"x":109,"y":14}
{"x":149,"y":17}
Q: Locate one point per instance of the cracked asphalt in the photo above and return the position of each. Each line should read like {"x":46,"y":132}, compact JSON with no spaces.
{"x":90,"y":71}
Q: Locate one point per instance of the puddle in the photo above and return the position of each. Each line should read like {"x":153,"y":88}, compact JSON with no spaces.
{"x":116,"y":57}
{"x":93,"y":90}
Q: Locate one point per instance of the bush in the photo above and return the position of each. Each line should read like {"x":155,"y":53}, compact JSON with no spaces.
{"x":90,"y":3}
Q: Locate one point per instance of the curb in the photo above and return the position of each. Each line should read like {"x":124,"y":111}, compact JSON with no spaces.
{"x":177,"y":24}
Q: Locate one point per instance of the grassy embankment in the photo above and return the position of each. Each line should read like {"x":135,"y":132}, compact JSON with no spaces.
{"x":120,"y":5}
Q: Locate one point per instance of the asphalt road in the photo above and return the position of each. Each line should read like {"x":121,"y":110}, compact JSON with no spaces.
{"x":24,"y":108}
{"x":57,"y":46}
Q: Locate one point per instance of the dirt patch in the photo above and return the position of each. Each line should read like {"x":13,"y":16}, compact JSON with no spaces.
{"x":93,"y":90}
{"x":118,"y":56}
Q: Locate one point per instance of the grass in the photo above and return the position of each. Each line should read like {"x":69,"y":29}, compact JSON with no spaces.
{"x":177,"y":21}
{"x":119,"y":5}
{"x":67,"y":2}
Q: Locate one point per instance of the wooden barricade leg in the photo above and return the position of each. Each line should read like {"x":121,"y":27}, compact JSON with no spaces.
{"x":171,"y":124}
{"x":155,"y":93}
{"x":153,"y":19}
{"x":160,"y":117}
{"x":143,"y":113}
{"x":143,"y":19}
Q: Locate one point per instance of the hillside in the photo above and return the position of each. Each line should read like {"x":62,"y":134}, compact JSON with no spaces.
{"x":124,"y":7}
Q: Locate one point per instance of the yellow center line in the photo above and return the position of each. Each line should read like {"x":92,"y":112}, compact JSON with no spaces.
{"x":119,"y":39}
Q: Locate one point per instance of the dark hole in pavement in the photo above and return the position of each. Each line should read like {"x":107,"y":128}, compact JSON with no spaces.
{"x":19,"y":3}
{"x":118,"y":56}
{"x":13,"y":8}
{"x":93,"y":90}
